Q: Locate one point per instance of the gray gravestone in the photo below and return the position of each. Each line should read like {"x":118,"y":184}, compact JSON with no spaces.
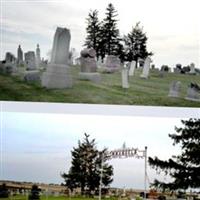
{"x":19,"y":55}
{"x":112,"y":64}
{"x":193,"y":93}
{"x":38,"y":58}
{"x":58,"y":72}
{"x":132,"y":68}
{"x":31,"y":76}
{"x":89,"y":66}
{"x":10,"y":58}
{"x":30,"y":60}
{"x":125,"y":83}
{"x":145,"y":71}
{"x":175,"y":89}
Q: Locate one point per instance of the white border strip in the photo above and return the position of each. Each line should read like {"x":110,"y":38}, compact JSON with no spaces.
{"x":98,"y":109}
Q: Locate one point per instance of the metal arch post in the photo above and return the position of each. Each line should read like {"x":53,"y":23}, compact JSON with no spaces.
{"x":145,"y":173}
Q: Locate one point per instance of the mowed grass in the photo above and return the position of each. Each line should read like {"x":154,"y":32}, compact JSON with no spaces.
{"x":153,"y":91}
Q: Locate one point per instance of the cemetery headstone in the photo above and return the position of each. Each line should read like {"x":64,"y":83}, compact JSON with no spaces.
{"x":38,"y":58}
{"x":175,"y":89}
{"x":89,"y":66}
{"x":193,"y":92}
{"x":31,"y":76}
{"x":19,"y":55}
{"x":30,"y":60}
{"x":178,"y":69}
{"x":8,"y":66}
{"x":192,"y":68}
{"x":132,"y":68}
{"x":58,"y":72}
{"x":112,"y":64}
{"x":145,"y":72}
{"x":125,"y":73}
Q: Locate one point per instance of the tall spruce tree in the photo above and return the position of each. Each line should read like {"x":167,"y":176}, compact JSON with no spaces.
{"x":110,"y":32}
{"x":184,"y":168}
{"x":135,"y":44}
{"x":93,"y":29}
{"x":86,"y":165}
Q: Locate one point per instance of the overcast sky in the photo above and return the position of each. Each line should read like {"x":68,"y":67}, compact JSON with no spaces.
{"x":37,"y":147}
{"x":172,"y":26}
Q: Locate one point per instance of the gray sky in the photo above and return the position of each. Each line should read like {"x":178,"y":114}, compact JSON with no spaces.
{"x":172,"y":26}
{"x":36,"y":147}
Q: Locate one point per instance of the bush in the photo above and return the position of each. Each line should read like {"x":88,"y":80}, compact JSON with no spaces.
{"x":4,"y":193}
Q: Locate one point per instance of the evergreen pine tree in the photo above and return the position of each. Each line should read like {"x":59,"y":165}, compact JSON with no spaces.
{"x":184,"y":168}
{"x":135,"y":44}
{"x":93,"y":38}
{"x":110,"y":32}
{"x":85,"y":169}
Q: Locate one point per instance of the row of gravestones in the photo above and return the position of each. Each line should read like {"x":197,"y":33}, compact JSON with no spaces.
{"x":28,"y":68}
{"x":193,"y":91}
{"x":58,"y":74}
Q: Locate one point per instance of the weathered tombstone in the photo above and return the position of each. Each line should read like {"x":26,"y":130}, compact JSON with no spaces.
{"x":193,"y":92}
{"x":132,"y":68}
{"x":175,"y":89}
{"x":125,"y":73}
{"x":89,"y":66}
{"x":112,"y":64}
{"x":30,"y":60}
{"x":19,"y":55}
{"x":38,"y":58}
{"x":31,"y":76}
{"x":58,"y":72}
{"x":178,"y":69}
{"x":10,"y":58}
{"x":192,"y":69}
{"x":8,"y":66}
{"x":145,"y":72}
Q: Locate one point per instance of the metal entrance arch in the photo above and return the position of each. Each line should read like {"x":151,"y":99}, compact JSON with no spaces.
{"x":125,"y":152}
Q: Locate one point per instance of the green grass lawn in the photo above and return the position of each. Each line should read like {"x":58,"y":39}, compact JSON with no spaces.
{"x":152,"y":91}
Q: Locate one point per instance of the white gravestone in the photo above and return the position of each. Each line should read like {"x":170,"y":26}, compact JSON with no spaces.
{"x":132,"y":68}
{"x":175,"y":89}
{"x":192,"y":68}
{"x":125,"y":83}
{"x":145,"y":72}
{"x":58,"y":72}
